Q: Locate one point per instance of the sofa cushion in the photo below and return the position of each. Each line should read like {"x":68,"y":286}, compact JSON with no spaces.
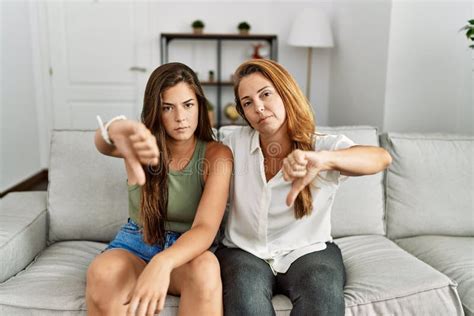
{"x":23,"y":230}
{"x":359,"y":205}
{"x":429,"y":185}
{"x":383,"y":279}
{"x":54,"y":281}
{"x":454,"y":256}
{"x":87,"y":192}
{"x":358,"y":208}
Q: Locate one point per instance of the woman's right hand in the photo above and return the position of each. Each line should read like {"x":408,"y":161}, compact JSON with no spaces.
{"x":149,"y":295}
{"x":138,"y":147}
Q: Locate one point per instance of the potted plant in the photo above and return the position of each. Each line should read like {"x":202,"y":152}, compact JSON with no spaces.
{"x":469,"y":28}
{"x":211,"y":76}
{"x":244,"y":28}
{"x":197,"y":26}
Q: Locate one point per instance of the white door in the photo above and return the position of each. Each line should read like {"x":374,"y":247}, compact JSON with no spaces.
{"x":100,"y":60}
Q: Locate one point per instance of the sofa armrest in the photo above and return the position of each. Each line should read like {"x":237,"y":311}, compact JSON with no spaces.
{"x":23,"y":230}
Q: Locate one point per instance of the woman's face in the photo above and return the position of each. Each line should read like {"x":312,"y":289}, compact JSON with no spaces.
{"x":262,"y":105}
{"x":180,"y":111}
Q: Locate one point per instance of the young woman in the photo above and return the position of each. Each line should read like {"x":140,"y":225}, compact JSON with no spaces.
{"x":278,"y":234}
{"x":178,"y":182}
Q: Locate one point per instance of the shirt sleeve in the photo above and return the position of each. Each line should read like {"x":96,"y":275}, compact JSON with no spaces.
{"x":333,"y":142}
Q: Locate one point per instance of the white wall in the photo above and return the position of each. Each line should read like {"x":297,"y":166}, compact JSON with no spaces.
{"x":20,"y":153}
{"x":429,"y":77}
{"x":359,"y":61}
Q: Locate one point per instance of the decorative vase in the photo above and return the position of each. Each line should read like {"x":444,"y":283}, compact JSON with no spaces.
{"x":230,"y":111}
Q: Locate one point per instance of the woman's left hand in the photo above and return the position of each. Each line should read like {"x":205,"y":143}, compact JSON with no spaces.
{"x":149,"y":294}
{"x":301,"y":168}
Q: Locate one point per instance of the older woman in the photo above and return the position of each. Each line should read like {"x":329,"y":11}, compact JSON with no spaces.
{"x":278,"y":235}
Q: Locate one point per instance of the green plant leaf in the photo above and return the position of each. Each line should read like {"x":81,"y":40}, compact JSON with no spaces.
{"x":471,"y":21}
{"x":197,"y":23}
{"x":471,"y":46}
{"x":470,"y":33}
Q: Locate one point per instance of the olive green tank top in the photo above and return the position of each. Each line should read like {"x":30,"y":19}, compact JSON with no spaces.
{"x":184,"y":193}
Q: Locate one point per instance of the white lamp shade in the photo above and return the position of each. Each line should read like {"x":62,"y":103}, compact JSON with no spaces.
{"x":311,"y":29}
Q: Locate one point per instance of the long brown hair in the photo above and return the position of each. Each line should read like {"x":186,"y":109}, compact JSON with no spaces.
{"x":300,"y":117}
{"x":154,"y":194}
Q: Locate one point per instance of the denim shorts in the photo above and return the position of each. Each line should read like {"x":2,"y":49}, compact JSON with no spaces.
{"x":130,"y":238}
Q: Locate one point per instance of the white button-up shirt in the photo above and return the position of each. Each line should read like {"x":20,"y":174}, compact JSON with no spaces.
{"x":259,"y":220}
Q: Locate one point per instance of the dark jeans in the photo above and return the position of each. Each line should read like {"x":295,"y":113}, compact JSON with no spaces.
{"x":314,"y":283}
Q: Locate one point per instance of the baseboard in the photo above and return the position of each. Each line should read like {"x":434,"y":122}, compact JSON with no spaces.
{"x":29,"y":183}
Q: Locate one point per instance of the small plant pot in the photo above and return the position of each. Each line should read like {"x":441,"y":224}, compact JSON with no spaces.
{"x":211,"y":76}
{"x":198,"y":30}
{"x":244,"y":32}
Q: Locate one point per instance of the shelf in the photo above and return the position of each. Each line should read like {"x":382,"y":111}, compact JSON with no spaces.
{"x":217,"y":83}
{"x":214,"y":36}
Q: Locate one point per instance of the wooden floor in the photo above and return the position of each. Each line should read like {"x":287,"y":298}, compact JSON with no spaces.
{"x":38,"y":182}
{"x":42,"y":186}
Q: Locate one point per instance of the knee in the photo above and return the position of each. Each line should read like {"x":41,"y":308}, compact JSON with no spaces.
{"x":102,"y":272}
{"x":321,"y":299}
{"x":324,"y":285}
{"x":247,"y":279}
{"x":246,"y":290}
{"x":103,"y":276}
{"x":252,"y":299}
{"x":204,"y":276}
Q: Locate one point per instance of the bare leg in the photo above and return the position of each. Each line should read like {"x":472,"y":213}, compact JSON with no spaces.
{"x":110,"y":279}
{"x":198,"y":282}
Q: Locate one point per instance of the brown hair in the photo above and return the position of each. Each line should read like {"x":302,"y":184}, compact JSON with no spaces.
{"x":300,"y":117}
{"x":154,"y":194}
